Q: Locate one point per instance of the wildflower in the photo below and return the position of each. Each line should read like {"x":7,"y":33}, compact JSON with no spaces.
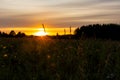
{"x":53,"y":64}
{"x":4,"y":47}
{"x":111,"y":76}
{"x":15,"y":56}
{"x":48,"y":56}
{"x":5,"y":55}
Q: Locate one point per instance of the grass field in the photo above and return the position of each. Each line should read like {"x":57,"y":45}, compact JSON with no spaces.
{"x":53,"y":59}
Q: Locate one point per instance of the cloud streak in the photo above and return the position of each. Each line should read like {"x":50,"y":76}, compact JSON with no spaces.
{"x":27,"y":13}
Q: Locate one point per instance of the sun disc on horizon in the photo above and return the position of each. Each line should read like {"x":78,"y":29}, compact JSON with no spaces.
{"x":41,"y":33}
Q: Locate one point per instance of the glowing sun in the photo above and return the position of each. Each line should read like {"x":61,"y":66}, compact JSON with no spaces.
{"x":41,"y":32}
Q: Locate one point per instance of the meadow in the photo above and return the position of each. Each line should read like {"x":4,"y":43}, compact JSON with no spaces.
{"x":43,"y":58}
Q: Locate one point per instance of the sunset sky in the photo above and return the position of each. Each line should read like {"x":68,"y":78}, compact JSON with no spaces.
{"x":57,"y":15}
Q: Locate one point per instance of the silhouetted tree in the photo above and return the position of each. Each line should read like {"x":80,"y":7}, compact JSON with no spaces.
{"x":12,"y":33}
{"x":3,"y":34}
{"x":19,"y":34}
{"x":105,"y":31}
{"x":0,"y":33}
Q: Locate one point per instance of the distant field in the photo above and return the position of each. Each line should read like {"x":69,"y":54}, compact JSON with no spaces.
{"x":53,"y":59}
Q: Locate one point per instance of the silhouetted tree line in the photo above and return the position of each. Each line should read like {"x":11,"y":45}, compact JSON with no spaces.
{"x":104,"y":31}
{"x":12,"y":34}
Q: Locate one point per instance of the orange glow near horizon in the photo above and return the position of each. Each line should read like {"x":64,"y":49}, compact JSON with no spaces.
{"x":38,"y":31}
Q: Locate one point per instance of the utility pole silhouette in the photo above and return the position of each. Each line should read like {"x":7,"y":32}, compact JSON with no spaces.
{"x":70,"y":30}
{"x":44,"y":28}
{"x":57,"y":34}
{"x":64,"y":32}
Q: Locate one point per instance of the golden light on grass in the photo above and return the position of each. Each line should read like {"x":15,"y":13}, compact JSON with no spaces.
{"x":41,"y":32}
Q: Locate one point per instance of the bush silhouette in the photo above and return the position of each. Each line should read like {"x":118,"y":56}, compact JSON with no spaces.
{"x":12,"y":34}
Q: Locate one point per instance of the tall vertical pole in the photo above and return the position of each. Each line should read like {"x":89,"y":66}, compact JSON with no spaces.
{"x":70,"y":30}
{"x":64,"y":32}
{"x":44,"y":28}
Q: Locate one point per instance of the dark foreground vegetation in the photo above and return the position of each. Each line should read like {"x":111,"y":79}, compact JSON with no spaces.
{"x":53,"y":59}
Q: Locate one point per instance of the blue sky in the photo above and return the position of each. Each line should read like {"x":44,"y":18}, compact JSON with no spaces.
{"x":58,"y":13}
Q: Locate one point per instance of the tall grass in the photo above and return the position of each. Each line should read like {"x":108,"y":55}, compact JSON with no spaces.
{"x":53,"y":59}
